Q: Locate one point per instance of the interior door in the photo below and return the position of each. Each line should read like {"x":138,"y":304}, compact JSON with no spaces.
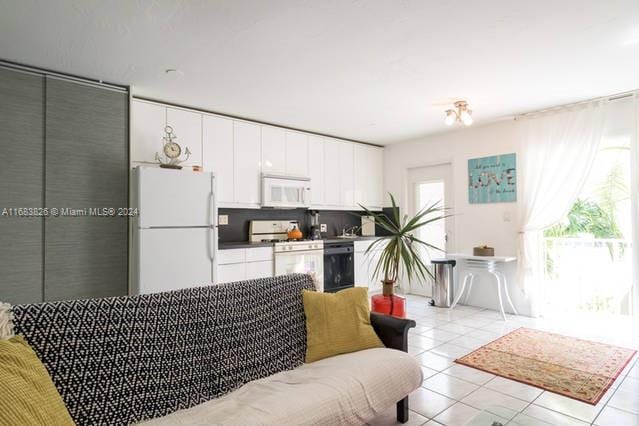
{"x":427,"y":185}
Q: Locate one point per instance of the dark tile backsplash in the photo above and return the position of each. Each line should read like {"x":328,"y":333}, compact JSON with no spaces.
{"x":238,"y":227}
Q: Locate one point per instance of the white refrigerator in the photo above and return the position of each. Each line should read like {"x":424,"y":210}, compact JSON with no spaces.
{"x":175,"y":232}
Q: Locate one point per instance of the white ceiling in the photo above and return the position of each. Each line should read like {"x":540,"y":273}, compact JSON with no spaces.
{"x":375,"y":70}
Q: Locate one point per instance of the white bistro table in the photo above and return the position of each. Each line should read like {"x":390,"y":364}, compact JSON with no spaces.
{"x":473,"y":265}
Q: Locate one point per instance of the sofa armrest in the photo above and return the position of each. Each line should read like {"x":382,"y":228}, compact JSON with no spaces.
{"x":392,"y":331}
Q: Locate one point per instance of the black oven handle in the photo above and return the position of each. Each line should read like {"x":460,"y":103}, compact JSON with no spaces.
{"x":338,"y":250}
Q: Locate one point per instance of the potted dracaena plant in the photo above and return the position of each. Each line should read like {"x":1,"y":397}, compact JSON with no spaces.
{"x":403,"y":252}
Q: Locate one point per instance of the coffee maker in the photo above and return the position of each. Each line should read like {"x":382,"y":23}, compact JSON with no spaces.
{"x":315,"y":225}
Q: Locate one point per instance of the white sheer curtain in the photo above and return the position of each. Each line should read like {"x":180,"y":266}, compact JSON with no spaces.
{"x":557,"y":150}
{"x":634,"y":209}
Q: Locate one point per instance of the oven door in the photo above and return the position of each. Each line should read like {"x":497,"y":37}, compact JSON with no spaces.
{"x":302,"y":262}
{"x":282,"y":191}
{"x":339,"y":269}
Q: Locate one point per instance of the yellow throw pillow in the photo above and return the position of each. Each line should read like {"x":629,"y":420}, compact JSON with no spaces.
{"x":338,"y":323}
{"x":27,"y":394}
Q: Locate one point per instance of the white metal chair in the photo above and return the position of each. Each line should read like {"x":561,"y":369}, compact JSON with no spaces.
{"x":473,"y":267}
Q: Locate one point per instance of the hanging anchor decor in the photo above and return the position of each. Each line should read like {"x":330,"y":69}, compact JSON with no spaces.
{"x":171,"y":151}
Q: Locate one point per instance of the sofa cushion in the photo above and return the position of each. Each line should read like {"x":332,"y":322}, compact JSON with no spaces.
{"x":338,"y":323}
{"x":345,"y":389}
{"x":122,"y":360}
{"x":28,"y":396}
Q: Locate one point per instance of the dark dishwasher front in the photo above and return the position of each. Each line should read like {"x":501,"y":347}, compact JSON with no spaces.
{"x":339,"y":266}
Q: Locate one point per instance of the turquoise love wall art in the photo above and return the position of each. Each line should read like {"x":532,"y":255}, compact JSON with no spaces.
{"x":492,"y":179}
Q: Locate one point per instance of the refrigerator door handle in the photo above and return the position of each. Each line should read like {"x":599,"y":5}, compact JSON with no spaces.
{"x":212,"y":227}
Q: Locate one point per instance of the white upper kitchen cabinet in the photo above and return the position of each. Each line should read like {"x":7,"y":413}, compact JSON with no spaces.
{"x":217,"y":155}
{"x":247,"y":151}
{"x":361,"y":173}
{"x":368,"y":172}
{"x":187,"y":126}
{"x":331,"y":172}
{"x":316,"y":169}
{"x":346,"y":181}
{"x":147,"y":130}
{"x":273,"y":150}
{"x":377,"y":195}
{"x":296,"y":154}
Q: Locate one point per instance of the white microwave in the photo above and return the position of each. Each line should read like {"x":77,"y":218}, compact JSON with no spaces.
{"x":285,"y":191}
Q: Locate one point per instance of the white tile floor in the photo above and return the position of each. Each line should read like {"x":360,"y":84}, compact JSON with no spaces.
{"x":452,"y":394}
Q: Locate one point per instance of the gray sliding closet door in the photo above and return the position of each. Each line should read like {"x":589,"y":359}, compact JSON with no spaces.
{"x":22,"y":146}
{"x":86,"y":167}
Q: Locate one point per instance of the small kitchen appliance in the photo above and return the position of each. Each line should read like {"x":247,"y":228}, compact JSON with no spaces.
{"x":316,"y":233}
{"x":286,"y":191}
{"x":294,"y":232}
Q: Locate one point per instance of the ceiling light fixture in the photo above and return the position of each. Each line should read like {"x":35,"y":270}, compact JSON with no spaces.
{"x":461,"y":114}
{"x":173,"y":72}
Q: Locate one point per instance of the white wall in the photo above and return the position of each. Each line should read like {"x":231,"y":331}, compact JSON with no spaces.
{"x":475,"y":224}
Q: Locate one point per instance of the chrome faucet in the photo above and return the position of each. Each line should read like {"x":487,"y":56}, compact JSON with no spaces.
{"x":350,"y":231}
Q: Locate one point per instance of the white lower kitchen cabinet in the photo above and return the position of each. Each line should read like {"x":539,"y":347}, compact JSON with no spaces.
{"x":365,"y":265}
{"x":231,"y":273}
{"x":244,"y":264}
{"x":262,"y":269}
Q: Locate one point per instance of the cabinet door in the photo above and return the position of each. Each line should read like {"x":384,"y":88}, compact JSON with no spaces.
{"x":346,"y":174}
{"x":231,"y":273}
{"x":361,"y":269}
{"x":368,"y":175}
{"x":331,"y":172}
{"x":362,"y":165}
{"x":217,"y":150}
{"x":273,"y":150}
{"x":374,"y":281}
{"x":187,"y":126}
{"x":147,"y":130}
{"x":21,"y":185}
{"x":296,"y":154}
{"x":262,"y":269}
{"x":247,"y":155}
{"x":377,"y":187}
{"x":259,"y":254}
{"x":316,"y":169}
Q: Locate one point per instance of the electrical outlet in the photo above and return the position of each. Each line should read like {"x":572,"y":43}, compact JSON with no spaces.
{"x":323,"y":227}
{"x":223,"y":219}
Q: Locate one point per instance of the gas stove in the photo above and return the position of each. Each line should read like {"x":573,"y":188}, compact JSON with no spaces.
{"x":298,"y":245}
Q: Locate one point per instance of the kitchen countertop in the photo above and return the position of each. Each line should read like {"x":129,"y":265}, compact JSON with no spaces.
{"x":227,"y":245}
{"x":241,"y":244}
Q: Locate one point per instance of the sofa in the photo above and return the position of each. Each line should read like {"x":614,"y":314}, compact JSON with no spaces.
{"x":225,"y":354}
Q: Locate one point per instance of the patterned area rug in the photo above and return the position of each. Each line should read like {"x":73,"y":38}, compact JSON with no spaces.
{"x":576,"y":368}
